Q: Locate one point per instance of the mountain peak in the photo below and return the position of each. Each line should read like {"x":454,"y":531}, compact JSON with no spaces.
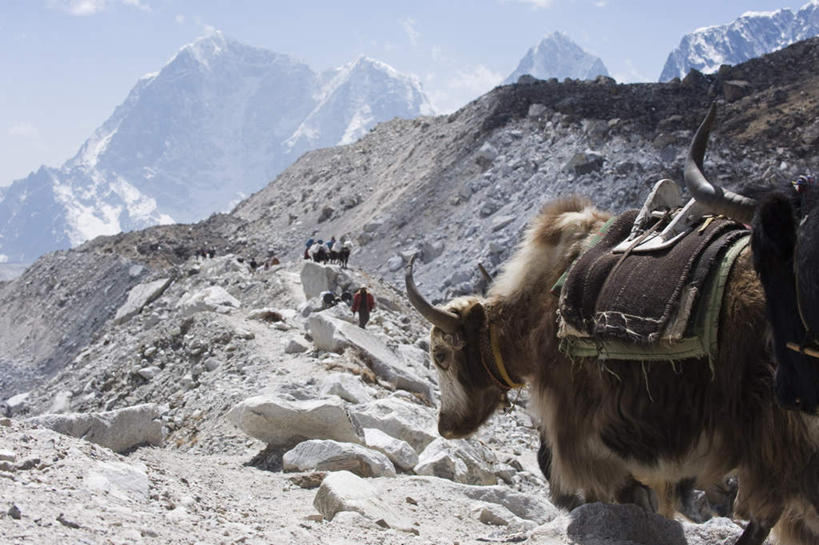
{"x":751,"y":35}
{"x":557,"y":56}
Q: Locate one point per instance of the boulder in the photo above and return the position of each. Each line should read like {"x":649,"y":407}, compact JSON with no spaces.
{"x":525,"y":506}
{"x":343,"y":491}
{"x":627,"y":524}
{"x":118,"y":479}
{"x":328,"y":455}
{"x":212,"y":299}
{"x":346,"y":386}
{"x":496,"y":515}
{"x":395,"y":263}
{"x":119,"y":430}
{"x":281,"y":422}
{"x":334,"y":335}
{"x":458,"y":460}
{"x":400,"y":419}
{"x":316,"y":278}
{"x":399,"y":452}
{"x":295,"y":346}
{"x":384,"y":362}
{"x":585,"y":162}
{"x":324,"y":330}
{"x":432,"y":250}
{"x":16,"y":404}
{"x":735,"y":89}
{"x":140,"y":296}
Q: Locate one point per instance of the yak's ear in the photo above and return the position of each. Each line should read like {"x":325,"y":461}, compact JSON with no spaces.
{"x":774,"y":228}
{"x":474,"y":328}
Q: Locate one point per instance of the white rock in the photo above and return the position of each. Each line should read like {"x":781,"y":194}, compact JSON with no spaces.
{"x":395,"y":263}
{"x":316,"y":278}
{"x":138,"y":297}
{"x":121,"y":480}
{"x":346,"y":386}
{"x":333,"y":335}
{"x":524,"y":506}
{"x":280,"y":422}
{"x":16,"y":404}
{"x":326,"y":455}
{"x":7,"y":456}
{"x":487,"y":152}
{"x":213,"y":299}
{"x":118,"y":430}
{"x":325,"y":333}
{"x":149,"y":372}
{"x":399,"y":452}
{"x":295,"y":346}
{"x":499,"y":222}
{"x":212,"y":364}
{"x":457,"y":460}
{"x":403,"y":420}
{"x":343,"y":491}
{"x":715,"y":530}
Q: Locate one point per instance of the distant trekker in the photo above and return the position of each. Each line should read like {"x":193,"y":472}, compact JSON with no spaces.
{"x":363,"y":303}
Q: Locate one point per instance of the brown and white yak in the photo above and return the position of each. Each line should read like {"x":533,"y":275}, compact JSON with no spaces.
{"x":619,"y":429}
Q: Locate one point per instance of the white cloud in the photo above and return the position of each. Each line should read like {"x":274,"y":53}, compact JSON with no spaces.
{"x":409,"y":28}
{"x":92,"y":7}
{"x":180,"y":18}
{"x":137,"y":4}
{"x":24,"y":130}
{"x":465,"y":85}
{"x":537,"y":4}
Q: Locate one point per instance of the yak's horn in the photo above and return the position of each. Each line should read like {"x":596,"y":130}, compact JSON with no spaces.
{"x":719,"y":200}
{"x":446,"y":321}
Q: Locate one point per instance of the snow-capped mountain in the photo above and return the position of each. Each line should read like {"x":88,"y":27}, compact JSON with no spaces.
{"x":214,"y":125}
{"x":752,"y":35}
{"x":353,"y":99}
{"x":557,"y":56}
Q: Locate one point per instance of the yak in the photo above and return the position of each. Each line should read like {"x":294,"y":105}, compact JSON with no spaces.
{"x":632,"y":431}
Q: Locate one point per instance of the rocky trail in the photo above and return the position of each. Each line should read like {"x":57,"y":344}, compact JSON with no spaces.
{"x":249,"y":414}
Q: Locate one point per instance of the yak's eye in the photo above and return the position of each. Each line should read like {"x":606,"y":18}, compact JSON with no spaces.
{"x":440,"y":356}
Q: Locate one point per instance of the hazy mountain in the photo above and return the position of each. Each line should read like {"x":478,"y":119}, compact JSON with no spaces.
{"x":752,"y":35}
{"x":557,"y":56}
{"x":214,"y":125}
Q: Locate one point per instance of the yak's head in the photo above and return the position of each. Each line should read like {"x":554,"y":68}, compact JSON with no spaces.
{"x":458,"y":341}
{"x":785,"y":247}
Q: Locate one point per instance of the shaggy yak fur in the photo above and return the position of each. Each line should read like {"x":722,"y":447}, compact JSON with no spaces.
{"x":622,"y":431}
{"x":785,"y":246}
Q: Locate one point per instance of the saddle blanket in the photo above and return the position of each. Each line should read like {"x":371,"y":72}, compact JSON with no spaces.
{"x":662,"y":304}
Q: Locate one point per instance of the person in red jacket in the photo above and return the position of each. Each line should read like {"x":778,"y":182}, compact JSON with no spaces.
{"x":363,"y":303}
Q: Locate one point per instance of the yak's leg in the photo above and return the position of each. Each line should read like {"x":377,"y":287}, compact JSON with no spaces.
{"x":639,"y":494}
{"x":559,"y":498}
{"x":754,"y":534}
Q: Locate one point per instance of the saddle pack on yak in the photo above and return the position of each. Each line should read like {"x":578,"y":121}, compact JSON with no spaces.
{"x":651,"y":285}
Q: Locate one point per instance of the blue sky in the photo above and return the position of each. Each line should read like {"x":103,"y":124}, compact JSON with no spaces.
{"x":66,"y":64}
